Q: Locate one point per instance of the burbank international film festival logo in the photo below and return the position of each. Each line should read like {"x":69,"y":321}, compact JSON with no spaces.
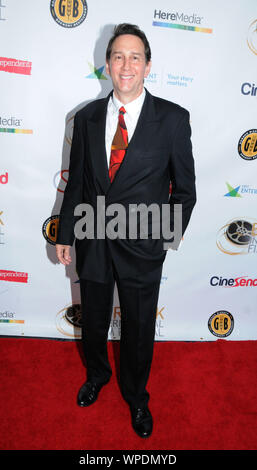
{"x":247,"y":145}
{"x":238,"y":237}
{"x":221,"y":324}
{"x":50,"y":228}
{"x":69,"y":13}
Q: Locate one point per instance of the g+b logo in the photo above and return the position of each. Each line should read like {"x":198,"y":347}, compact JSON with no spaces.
{"x":69,"y":13}
{"x":50,"y":228}
{"x":221,"y":324}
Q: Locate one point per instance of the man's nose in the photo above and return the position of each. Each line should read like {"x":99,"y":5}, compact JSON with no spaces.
{"x":126,"y":63}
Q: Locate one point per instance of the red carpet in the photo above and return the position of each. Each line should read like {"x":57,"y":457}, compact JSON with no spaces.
{"x":203,"y":396}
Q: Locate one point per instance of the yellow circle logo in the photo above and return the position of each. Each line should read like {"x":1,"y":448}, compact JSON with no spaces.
{"x":69,"y":13}
{"x":247,"y":145}
{"x":50,"y":229}
{"x":252,"y":37}
{"x":221,"y":324}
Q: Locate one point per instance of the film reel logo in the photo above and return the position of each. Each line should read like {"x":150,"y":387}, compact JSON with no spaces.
{"x":221,"y":324}
{"x":238,"y":237}
{"x":247,"y":145}
{"x":68,"y":321}
{"x":69,"y":13}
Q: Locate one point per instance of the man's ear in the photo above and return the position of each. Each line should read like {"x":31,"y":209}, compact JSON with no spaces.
{"x":148,"y":68}
{"x":107,"y":67}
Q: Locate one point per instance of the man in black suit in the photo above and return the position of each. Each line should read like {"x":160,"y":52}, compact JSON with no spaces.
{"x":152,"y":150}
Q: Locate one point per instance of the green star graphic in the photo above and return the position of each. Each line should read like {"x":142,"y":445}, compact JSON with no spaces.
{"x":96,"y":73}
{"x":233,"y":192}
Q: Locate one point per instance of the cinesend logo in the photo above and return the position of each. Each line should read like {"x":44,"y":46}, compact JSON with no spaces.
{"x":249,"y":89}
{"x":242,"y":281}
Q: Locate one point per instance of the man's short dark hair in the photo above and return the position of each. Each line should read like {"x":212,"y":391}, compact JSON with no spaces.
{"x":127,"y":28}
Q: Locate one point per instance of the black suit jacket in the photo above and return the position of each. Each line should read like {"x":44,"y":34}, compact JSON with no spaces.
{"x":160,"y":151}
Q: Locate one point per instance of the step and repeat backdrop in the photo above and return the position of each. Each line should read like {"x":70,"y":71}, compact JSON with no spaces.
{"x":52,"y":62}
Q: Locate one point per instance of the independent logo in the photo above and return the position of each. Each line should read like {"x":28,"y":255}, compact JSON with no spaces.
{"x":69,"y":13}
{"x":50,"y":228}
{"x":221,"y":324}
{"x":247,"y":145}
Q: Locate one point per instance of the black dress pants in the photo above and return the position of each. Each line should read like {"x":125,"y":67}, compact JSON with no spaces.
{"x":138,"y":305}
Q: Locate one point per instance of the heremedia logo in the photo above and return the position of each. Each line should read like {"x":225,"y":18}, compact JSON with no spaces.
{"x":9,"y":317}
{"x":12,"y":125}
{"x":182,"y":18}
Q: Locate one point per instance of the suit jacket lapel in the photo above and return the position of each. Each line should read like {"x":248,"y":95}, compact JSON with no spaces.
{"x":96,"y":134}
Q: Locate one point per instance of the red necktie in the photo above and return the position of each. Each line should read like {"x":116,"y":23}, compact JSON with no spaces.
{"x":119,"y":145}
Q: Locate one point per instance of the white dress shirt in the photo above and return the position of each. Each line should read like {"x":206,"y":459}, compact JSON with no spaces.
{"x":133,"y":110}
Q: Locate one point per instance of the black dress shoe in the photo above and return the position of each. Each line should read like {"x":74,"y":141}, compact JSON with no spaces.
{"x":142,"y":421}
{"x":88,"y":393}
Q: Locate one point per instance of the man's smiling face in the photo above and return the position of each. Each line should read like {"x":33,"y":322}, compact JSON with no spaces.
{"x":127,"y":67}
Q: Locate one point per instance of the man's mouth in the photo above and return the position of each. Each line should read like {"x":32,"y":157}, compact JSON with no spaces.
{"x":126,"y":77}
